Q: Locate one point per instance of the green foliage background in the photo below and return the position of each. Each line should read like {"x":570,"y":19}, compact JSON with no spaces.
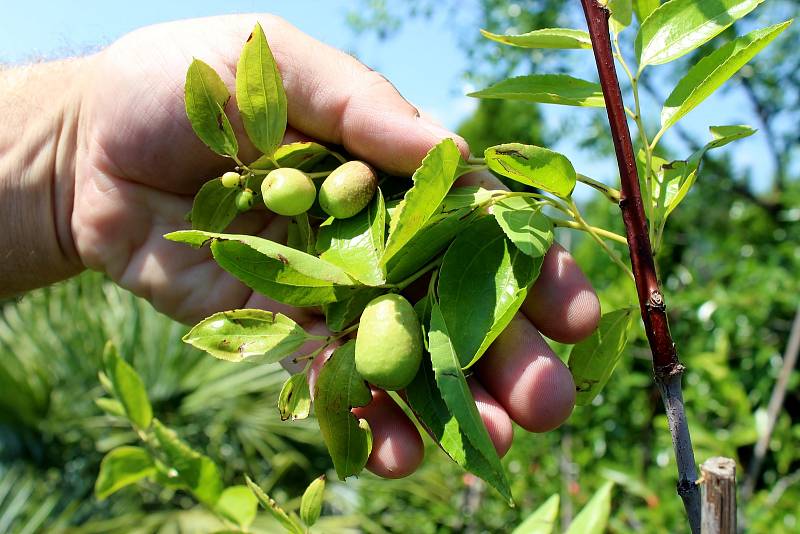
{"x":729,"y":268}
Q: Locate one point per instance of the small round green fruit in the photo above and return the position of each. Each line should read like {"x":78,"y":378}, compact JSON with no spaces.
{"x":244,"y":200}
{"x":389,"y":343}
{"x":288,"y":191}
{"x":348,"y":189}
{"x":231,"y":179}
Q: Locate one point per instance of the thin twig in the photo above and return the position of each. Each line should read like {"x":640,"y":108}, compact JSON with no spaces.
{"x":667,"y":368}
{"x":774,"y":407}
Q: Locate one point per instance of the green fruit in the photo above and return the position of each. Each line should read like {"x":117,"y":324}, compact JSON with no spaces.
{"x":348,"y":189}
{"x":288,"y":191}
{"x":244,"y":200}
{"x":389,"y":343}
{"x":230,"y":179}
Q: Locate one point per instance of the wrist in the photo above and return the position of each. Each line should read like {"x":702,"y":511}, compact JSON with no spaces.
{"x":37,"y":173}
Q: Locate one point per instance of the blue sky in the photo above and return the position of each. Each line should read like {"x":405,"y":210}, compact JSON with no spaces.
{"x":423,"y":60}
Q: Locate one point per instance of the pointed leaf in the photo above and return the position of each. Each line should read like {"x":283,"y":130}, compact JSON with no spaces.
{"x":546,"y":89}
{"x":260,"y":94}
{"x":238,"y":504}
{"x":294,"y":400}
{"x":239,"y":335}
{"x":340,"y":388}
{"x":482,"y":282}
{"x":679,"y":26}
{"x":593,"y":518}
{"x":290,"y":522}
{"x":311,"y":502}
{"x":707,"y":75}
{"x":128,"y":388}
{"x":457,"y":396}
{"x":432,"y":181}
{"x":545,"y":38}
{"x":121,"y":467}
{"x":356,"y":244}
{"x":428,"y":405}
{"x":206,"y":96}
{"x":523,"y":222}
{"x":534,"y":166}
{"x":110,"y":406}
{"x":592,"y":360}
{"x":543,"y":520}
{"x":274,"y":270}
{"x":214,"y":206}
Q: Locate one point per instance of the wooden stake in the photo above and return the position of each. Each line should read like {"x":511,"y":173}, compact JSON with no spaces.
{"x":718,"y":476}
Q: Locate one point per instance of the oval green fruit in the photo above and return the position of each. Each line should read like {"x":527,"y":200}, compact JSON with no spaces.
{"x":389,"y":343}
{"x":288,"y":191}
{"x":348,"y":189}
{"x":244,"y":200}
{"x":230,"y":179}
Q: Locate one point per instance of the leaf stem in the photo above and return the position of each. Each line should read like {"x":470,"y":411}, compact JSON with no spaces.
{"x":417,"y":275}
{"x":599,"y":231}
{"x":609,"y":192}
{"x":473,"y":160}
{"x":592,"y":231}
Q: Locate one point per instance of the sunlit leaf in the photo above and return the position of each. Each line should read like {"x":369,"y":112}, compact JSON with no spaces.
{"x":708,"y":74}
{"x":542,"y":520}
{"x":260,"y":94}
{"x":121,"y":467}
{"x":294,"y":400}
{"x":679,"y":26}
{"x":534,"y":166}
{"x":546,"y":89}
{"x":128,"y":388}
{"x":643,"y":8}
{"x":523,"y":222}
{"x":205,"y":97}
{"x":621,"y":14}
{"x":311,"y":502}
{"x":593,"y":518}
{"x":239,"y":335}
{"x":544,"y":38}
{"x":214,"y":206}
{"x":237,"y":504}
{"x":289,"y":521}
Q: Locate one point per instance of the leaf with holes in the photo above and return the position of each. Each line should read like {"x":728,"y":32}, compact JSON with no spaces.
{"x":546,"y":89}
{"x":534,"y":166}
{"x":545,"y":38}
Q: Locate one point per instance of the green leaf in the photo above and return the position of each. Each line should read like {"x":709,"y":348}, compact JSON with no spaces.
{"x":708,"y":74}
{"x":592,"y":360}
{"x":593,"y":517}
{"x":432,"y":181}
{"x":300,"y":235}
{"x":340,"y":388}
{"x":294,"y":400}
{"x":214,"y":206}
{"x":546,"y":89}
{"x":237,"y":504}
{"x":427,"y":243}
{"x":206,"y":97}
{"x":239,"y":335}
{"x":277,"y":271}
{"x":121,"y":467}
{"x":544,"y":38}
{"x":681,"y":175}
{"x":643,"y":8}
{"x":260,"y":94}
{"x":523,"y":222}
{"x":197,"y":471}
{"x":455,"y":392}
{"x":303,"y":155}
{"x":543,"y":520}
{"x":482,"y":282}
{"x":428,"y":405}
{"x":290,"y":522}
{"x":534,"y":166}
{"x":128,"y":388}
{"x":679,"y":26}
{"x":356,"y":244}
{"x":470,"y":196}
{"x":621,"y":14}
{"x":311,"y":502}
{"x":110,"y":406}
{"x":341,"y":314}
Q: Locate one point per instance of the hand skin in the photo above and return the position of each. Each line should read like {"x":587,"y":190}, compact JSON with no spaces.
{"x":98,"y":161}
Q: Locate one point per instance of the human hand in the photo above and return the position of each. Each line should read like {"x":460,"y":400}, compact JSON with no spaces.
{"x":139,"y":163}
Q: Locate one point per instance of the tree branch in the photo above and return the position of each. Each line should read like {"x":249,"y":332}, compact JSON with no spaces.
{"x":667,"y":368}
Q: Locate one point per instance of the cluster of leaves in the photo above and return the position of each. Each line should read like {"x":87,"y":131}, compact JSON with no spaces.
{"x":482,"y":260}
{"x":170,"y":462}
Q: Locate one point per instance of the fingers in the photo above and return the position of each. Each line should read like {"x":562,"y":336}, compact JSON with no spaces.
{"x":562,"y":303}
{"x":397,"y":448}
{"x":335,"y":98}
{"x":494,"y":417}
{"x":528,"y":380}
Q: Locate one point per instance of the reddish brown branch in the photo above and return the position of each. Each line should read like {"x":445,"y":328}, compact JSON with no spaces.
{"x":666,"y":366}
